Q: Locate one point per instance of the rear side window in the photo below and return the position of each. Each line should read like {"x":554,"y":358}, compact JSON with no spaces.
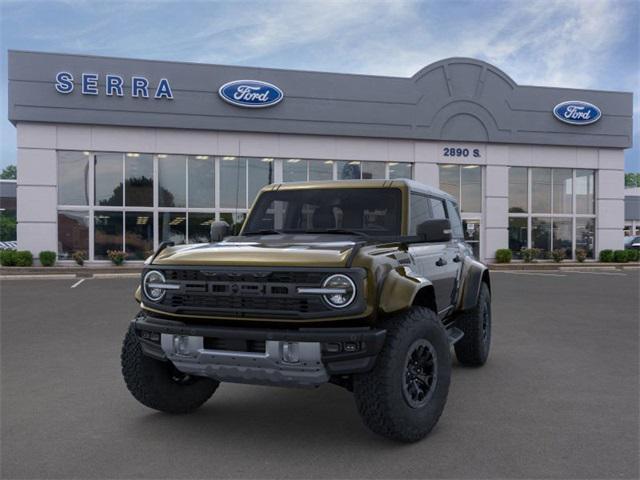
{"x":437,"y":208}
{"x":419,"y":211}
{"x":454,"y":218}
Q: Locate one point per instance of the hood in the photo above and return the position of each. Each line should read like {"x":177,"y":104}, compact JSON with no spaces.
{"x":268,"y":250}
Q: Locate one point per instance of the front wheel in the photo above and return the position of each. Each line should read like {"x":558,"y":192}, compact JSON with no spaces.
{"x":404,"y":395}
{"x":159,"y":385}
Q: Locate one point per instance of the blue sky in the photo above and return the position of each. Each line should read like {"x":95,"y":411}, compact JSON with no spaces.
{"x":569,"y":43}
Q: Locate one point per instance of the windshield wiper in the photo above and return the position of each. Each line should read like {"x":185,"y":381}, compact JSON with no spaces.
{"x":340,"y":231}
{"x":264,"y":232}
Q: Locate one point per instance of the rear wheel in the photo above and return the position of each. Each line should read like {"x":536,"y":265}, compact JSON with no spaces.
{"x":159,"y":385}
{"x":404,"y":395}
{"x":473,"y":348}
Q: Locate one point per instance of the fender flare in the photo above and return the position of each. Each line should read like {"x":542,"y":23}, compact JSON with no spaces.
{"x":472,"y":275}
{"x":400,"y":289}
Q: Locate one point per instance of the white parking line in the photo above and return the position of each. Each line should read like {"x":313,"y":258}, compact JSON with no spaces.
{"x":511,"y":272}
{"x":599,"y":273}
{"x":78,"y":283}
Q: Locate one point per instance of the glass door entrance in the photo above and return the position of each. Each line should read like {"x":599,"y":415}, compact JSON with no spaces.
{"x":472,"y":234}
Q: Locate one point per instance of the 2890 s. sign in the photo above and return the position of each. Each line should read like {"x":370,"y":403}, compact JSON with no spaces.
{"x":250,"y":93}
{"x":577,"y":112}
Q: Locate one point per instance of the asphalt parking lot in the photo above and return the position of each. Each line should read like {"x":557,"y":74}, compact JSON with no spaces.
{"x":558,"y":398}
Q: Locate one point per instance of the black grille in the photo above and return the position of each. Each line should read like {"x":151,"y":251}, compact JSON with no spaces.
{"x":235,"y":345}
{"x":241,"y":293}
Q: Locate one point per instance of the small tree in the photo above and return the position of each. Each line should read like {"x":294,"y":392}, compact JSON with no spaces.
{"x":9,"y":172}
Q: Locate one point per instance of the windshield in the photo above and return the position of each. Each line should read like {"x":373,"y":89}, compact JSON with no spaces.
{"x":375,"y":212}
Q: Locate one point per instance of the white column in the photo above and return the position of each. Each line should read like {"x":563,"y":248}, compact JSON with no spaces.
{"x":37,"y":188}
{"x":496,"y":210}
{"x":610,"y":200}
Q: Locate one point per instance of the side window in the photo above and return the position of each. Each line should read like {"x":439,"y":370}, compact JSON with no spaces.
{"x":437,"y":208}
{"x":456,"y":223}
{"x":419,"y":211}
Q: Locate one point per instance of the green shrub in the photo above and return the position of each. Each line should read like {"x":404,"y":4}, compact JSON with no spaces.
{"x":24,"y":258}
{"x":47,"y":258}
{"x":606,"y":256}
{"x":79,"y":256}
{"x":581,"y":254}
{"x":7,"y":258}
{"x":529,"y":254}
{"x":558,"y":255}
{"x":620,"y":256}
{"x":503,"y":255}
{"x":117,"y":256}
{"x":633,"y":255}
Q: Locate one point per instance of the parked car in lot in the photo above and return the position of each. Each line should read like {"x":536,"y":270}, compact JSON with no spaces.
{"x":632,"y":242}
{"x":364,"y":284}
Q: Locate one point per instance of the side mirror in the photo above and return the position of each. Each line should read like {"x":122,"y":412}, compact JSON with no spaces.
{"x":434,"y":230}
{"x":219,"y":230}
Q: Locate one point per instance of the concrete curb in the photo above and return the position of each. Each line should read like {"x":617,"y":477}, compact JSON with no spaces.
{"x":563,"y":266}
{"x":79,"y":272}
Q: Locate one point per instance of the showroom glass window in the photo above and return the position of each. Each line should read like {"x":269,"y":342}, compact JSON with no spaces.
{"x":464,"y":182}
{"x":551,"y":209}
{"x":133,"y":201}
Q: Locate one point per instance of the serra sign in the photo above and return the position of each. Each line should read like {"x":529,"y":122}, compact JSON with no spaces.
{"x":113,"y":85}
{"x":250,"y":93}
{"x":577,"y":112}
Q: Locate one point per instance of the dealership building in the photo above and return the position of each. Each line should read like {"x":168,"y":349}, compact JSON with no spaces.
{"x":122,"y":154}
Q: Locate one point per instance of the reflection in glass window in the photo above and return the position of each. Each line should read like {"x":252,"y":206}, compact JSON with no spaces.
{"x":138,"y":173}
{"x":399,"y":170}
{"x":172,"y":227}
{"x":73,"y":178}
{"x":585,"y":196}
{"x":373,"y":170}
{"x":518,"y":190}
{"x":541,"y":235}
{"x":260,"y":174}
{"x":450,"y":180}
{"x":437,"y":208}
{"x":349,"y":170}
{"x":562,"y":190}
{"x":200,"y":227}
{"x":138,"y":239}
{"x":320,"y":169}
{"x":294,"y":170}
{"x":456,"y":223}
{"x":73,"y":233}
{"x":585,"y":235}
{"x":108,"y":179}
{"x":233,"y":182}
{"x":172,"y":183}
{"x":201,"y":181}
{"x":108,"y":233}
{"x":471,"y":188}
{"x":235,"y":221}
{"x":517,"y":235}
{"x":541,"y":190}
{"x":562,"y":235}
{"x":419,"y":211}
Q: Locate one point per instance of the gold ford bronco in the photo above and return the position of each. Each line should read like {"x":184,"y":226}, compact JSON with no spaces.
{"x":363,"y":284}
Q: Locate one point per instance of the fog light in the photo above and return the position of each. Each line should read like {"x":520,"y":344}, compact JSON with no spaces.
{"x":181,"y":344}
{"x":291,"y":352}
{"x":350,"y":347}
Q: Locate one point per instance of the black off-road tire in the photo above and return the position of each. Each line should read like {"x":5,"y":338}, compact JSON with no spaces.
{"x":473,"y":348}
{"x":157,"y":384}
{"x":379,"y":394}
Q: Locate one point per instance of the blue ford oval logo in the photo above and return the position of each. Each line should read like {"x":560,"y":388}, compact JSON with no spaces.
{"x":577,"y":112}
{"x":250,"y":93}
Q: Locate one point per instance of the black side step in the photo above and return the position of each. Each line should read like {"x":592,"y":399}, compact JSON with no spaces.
{"x":455,"y":334}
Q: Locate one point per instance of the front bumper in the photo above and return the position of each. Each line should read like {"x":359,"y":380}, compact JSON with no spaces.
{"x":302,"y":357}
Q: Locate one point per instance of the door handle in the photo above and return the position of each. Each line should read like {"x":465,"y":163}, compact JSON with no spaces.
{"x":457,"y":258}
{"x":441,"y":262}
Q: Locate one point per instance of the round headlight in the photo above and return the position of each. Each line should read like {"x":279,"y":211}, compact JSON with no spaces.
{"x":149,"y":284}
{"x":343,"y":291}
